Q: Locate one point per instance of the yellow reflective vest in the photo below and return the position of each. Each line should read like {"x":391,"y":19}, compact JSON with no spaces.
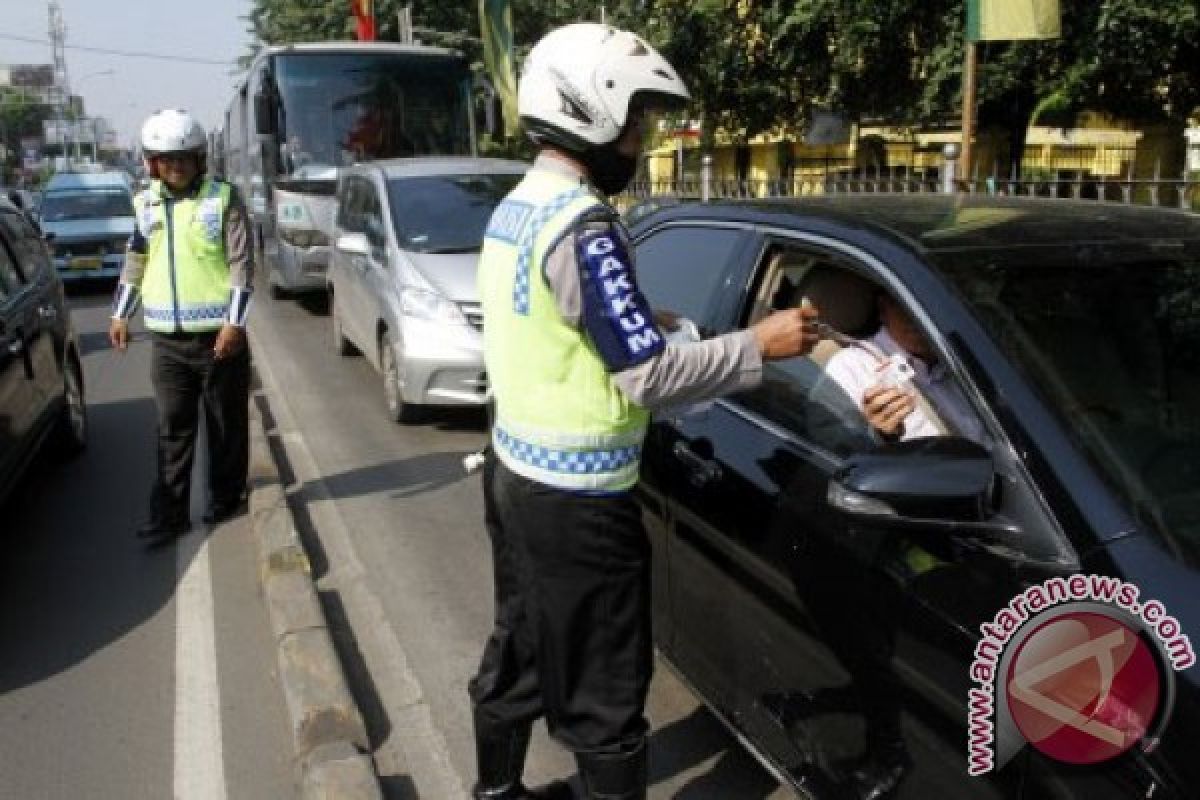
{"x":560,"y":419}
{"x":185,"y":287}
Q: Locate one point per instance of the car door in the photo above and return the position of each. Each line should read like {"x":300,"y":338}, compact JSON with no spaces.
{"x":686,"y":269}
{"x":19,"y":403}
{"x":841,"y":647}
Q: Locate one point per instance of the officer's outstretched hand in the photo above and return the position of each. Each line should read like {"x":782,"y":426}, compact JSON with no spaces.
{"x":118,"y":334}
{"x":787,"y":333}
{"x":229,"y":341}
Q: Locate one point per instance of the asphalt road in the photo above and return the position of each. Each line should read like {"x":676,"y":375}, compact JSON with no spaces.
{"x":128,"y":673}
{"x":396,"y":533}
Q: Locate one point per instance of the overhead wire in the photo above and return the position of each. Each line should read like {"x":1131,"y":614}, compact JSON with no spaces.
{"x":122,"y":53}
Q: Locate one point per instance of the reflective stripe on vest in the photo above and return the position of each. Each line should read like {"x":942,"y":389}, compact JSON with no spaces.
{"x":186,"y":282}
{"x":560,"y":419}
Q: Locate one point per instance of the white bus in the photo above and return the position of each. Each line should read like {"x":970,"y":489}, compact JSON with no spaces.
{"x":304,"y":110}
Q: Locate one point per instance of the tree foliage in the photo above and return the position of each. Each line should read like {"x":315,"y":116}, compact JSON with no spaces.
{"x":757,"y":64}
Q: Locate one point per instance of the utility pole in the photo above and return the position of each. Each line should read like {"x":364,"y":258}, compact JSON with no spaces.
{"x":970,"y":67}
{"x":61,"y":91}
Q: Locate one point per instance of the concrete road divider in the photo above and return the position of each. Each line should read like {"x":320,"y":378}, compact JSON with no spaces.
{"x":328,"y":733}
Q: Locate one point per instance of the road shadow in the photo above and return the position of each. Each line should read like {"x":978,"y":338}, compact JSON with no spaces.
{"x":694,"y":739}
{"x":73,"y":578}
{"x":400,"y":479}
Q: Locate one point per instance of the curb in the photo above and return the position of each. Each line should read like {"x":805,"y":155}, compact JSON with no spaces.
{"x":329,"y":736}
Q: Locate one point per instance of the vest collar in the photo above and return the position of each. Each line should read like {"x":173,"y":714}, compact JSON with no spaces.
{"x":191,"y":190}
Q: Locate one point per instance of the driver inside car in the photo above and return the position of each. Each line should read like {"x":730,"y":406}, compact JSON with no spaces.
{"x":926,"y":403}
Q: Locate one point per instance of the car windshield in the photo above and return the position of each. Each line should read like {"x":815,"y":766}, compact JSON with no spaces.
{"x":445,"y":213}
{"x":338,"y":108}
{"x":1111,"y":335}
{"x":95,"y":204}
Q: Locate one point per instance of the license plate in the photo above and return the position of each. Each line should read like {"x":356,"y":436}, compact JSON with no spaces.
{"x":86,"y":262}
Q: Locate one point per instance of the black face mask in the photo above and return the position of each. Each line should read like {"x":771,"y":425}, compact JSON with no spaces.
{"x":610,"y":171}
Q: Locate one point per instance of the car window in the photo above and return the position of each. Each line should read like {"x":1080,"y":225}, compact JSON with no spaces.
{"x":1111,"y":339}
{"x":684,"y":269}
{"x":94,"y":204}
{"x":373,"y":215}
{"x":351,"y":208}
{"x":27,"y":245}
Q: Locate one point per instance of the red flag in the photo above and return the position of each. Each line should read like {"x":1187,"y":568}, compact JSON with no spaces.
{"x":364,"y":15}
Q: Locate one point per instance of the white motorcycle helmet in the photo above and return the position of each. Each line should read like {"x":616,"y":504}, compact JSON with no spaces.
{"x":172,"y":131}
{"x":580,"y":81}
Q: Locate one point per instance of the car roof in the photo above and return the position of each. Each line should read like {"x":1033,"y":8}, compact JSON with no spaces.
{"x":940,"y":223}
{"x":68,"y":181}
{"x":442,"y":165}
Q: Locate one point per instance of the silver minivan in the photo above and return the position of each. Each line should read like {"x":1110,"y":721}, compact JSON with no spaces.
{"x":401,"y":278}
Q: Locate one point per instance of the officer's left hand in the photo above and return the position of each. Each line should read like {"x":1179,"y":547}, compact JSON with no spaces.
{"x":229,"y":341}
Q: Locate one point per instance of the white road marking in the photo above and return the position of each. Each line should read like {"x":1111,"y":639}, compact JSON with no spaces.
{"x":199,"y":755}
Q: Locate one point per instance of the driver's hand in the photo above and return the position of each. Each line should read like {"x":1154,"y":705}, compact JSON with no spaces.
{"x":886,"y":408}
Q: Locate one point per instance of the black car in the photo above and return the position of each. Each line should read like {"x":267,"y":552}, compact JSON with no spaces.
{"x":823,"y":587}
{"x":41,"y":382}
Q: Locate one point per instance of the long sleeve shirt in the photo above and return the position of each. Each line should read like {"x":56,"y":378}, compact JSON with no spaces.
{"x":678,"y":374}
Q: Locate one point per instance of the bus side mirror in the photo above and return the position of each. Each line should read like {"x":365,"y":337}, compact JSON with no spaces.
{"x":264,"y":114}
{"x":486,"y":100}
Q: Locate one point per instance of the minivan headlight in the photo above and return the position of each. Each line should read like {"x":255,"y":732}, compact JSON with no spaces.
{"x":424,"y":304}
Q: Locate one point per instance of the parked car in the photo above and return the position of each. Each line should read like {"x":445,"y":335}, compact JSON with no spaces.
{"x":41,"y":382}
{"x":402,"y":277}
{"x":89,"y":219}
{"x":823,"y":591}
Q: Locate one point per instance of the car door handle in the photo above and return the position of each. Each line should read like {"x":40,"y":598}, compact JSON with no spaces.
{"x":701,"y":470}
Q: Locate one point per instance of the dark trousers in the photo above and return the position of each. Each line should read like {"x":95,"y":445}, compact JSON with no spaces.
{"x":572,"y":639}
{"x":185,"y":374}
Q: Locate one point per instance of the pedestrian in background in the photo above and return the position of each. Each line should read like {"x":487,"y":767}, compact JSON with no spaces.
{"x":189,"y":263}
{"x":576,"y":360}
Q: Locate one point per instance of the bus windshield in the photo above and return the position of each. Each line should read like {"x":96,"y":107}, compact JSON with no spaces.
{"x":339,"y":108}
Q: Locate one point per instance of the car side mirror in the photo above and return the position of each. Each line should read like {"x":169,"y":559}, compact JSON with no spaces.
{"x":354,"y":244}
{"x":49,"y":236}
{"x":937,"y":483}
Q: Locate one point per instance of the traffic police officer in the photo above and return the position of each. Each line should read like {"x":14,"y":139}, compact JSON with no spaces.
{"x":576,"y":360}
{"x":189,"y":264}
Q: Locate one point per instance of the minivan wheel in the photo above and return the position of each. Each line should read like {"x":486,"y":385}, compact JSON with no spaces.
{"x":341,"y":345}
{"x":397,"y":409}
{"x":71,"y":430}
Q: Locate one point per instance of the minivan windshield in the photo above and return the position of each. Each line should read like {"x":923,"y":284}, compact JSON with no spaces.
{"x":1111,"y":335}
{"x":446,"y":213}
{"x":91,"y":204}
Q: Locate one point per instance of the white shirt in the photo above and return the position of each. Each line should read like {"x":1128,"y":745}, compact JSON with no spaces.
{"x":856,"y":369}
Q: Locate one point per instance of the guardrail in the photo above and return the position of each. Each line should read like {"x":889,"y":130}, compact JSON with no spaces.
{"x":1182,"y":192}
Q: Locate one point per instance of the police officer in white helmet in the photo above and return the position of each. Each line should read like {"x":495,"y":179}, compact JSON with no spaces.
{"x":576,"y":359}
{"x":189,"y":265}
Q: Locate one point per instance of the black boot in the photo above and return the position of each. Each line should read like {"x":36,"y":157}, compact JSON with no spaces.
{"x":614,"y":776}
{"x":500,"y":760}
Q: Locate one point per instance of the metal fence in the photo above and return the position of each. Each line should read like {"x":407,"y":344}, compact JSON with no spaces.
{"x":1182,"y":192}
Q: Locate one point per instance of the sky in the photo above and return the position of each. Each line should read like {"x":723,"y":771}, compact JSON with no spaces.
{"x":211,"y":30}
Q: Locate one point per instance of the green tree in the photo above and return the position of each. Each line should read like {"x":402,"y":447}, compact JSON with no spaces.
{"x":21,"y":115}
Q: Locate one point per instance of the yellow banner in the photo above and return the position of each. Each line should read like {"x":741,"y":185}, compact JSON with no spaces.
{"x":991,"y":20}
{"x":495,"y":24}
